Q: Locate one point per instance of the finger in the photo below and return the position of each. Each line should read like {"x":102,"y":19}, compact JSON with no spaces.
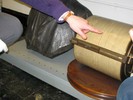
{"x":94,"y":30}
{"x":82,"y":34}
{"x":85,"y":31}
{"x":131,"y":33}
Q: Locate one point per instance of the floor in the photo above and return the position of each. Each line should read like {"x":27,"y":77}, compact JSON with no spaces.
{"x":16,"y":84}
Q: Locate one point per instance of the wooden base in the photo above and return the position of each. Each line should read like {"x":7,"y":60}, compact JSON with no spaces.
{"x":91,"y":82}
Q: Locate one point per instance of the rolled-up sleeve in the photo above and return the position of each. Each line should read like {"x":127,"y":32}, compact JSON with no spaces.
{"x":54,"y":8}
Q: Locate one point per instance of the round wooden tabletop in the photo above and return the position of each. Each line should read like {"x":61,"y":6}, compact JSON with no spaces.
{"x":91,"y":82}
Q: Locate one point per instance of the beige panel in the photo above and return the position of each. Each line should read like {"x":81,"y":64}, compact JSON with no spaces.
{"x":16,"y":5}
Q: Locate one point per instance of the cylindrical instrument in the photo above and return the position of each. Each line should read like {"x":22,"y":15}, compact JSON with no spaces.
{"x":110,"y":52}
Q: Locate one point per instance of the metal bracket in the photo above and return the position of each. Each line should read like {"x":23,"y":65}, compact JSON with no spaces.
{"x":103,"y":51}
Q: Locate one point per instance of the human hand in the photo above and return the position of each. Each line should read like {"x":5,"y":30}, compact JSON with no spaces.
{"x":131,"y":33}
{"x":80,"y":26}
{"x":3,"y":46}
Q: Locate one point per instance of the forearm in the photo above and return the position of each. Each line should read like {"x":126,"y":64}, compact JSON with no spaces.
{"x":54,"y":8}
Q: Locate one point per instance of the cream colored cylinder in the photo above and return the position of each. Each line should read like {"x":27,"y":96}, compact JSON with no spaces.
{"x":115,"y":38}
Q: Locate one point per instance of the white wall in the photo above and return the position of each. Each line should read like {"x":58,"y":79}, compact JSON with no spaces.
{"x":121,"y":10}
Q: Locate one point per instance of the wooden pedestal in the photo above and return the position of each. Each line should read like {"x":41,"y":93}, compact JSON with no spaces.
{"x":91,"y":82}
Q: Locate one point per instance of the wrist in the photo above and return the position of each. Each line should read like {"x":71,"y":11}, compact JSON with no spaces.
{"x":67,"y":15}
